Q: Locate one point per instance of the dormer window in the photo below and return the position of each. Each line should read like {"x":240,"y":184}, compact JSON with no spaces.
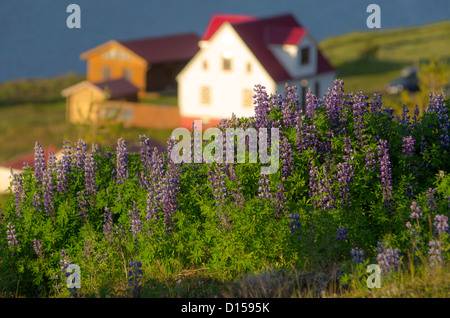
{"x":304,"y":56}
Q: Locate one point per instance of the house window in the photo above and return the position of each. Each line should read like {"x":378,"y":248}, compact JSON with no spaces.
{"x":226,"y":63}
{"x":317,"y":88}
{"x":106,"y":73}
{"x":304,"y":56}
{"x":303,"y":97}
{"x":247,"y":98}
{"x":127,"y":74}
{"x":205,"y":95}
{"x":249,"y":67}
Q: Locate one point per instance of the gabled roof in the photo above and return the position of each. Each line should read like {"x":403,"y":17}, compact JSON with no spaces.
{"x":179,"y":47}
{"x":218,"y":19}
{"x":117,"y":88}
{"x":258,"y":34}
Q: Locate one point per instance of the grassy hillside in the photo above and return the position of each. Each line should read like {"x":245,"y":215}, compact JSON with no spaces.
{"x":370,"y":60}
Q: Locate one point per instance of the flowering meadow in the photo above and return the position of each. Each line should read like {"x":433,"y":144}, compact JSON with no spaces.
{"x":357,"y":184}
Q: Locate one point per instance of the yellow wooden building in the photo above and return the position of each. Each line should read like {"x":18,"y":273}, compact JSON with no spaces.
{"x":150,"y":64}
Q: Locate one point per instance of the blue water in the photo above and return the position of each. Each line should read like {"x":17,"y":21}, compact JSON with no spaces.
{"x":35,"y":41}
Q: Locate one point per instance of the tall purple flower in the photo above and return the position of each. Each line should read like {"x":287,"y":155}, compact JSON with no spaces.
{"x":345,"y":172}
{"x":82,"y":204}
{"x":359,"y":110}
{"x":19,"y":193}
{"x":39,"y":163}
{"x":370,"y":163}
{"x":262,"y":107}
{"x":440,"y":224}
{"x":287,"y":163}
{"x":432,"y":201}
{"x":341,"y":233}
{"x":357,"y":255}
{"x":89,"y":175}
{"x":264,"y":191}
{"x":437,"y":105}
{"x":135,"y":220}
{"x":435,"y":253}
{"x":80,"y":153}
{"x":388,"y":259}
{"x":11,"y":235}
{"x":385,"y":170}
{"x":108,"y":223}
{"x":122,"y":161}
{"x":334,"y":106}
{"x":47,"y":189}
{"x":408,"y":146}
{"x":416,"y":211}
{"x":289,"y":106}
{"x":38,"y":249}
{"x":295,"y":224}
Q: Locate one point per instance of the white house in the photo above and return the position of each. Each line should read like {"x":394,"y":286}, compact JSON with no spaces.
{"x":238,"y":52}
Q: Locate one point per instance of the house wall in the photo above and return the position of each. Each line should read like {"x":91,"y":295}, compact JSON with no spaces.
{"x":82,"y":105}
{"x":118,"y":59}
{"x":226,"y":87}
{"x":142,"y":115}
{"x":162,"y":76}
{"x":6,"y":178}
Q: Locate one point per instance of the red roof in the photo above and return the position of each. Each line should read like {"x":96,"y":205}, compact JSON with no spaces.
{"x":18,"y":162}
{"x":218,"y":19}
{"x":180,"y":47}
{"x":118,"y":87}
{"x":259,"y":33}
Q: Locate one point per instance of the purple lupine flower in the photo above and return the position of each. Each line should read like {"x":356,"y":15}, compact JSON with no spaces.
{"x":290,"y":106}
{"x":89,"y":175}
{"x":264,"y":191}
{"x":170,"y":189}
{"x":341,"y":233}
{"x":146,"y":161}
{"x":62,"y":184}
{"x":80,"y":153}
{"x":307,"y":137}
{"x":416,"y":210}
{"x":47,"y":189}
{"x":135,"y":276}
{"x":404,"y":119}
{"x":11,"y":235}
{"x":287,"y":163}
{"x":295,"y":224}
{"x":262,"y":107}
{"x":216,"y":178}
{"x":122,"y":161}
{"x":67,"y":155}
{"x":19,"y":193}
{"x":64,"y":261}
{"x":435,"y":253}
{"x":312,"y":104}
{"x":155,"y":185}
{"x":388,"y":259}
{"x":440,"y":224}
{"x":437,"y":105}
{"x":82,"y":204}
{"x":38,"y":249}
{"x":370,"y":163}
{"x":39,"y":163}
{"x":334,"y":107}
{"x":408,"y":146}
{"x":135,"y":220}
{"x":345,"y":172}
{"x":37,"y":200}
{"x":385,"y":170}
{"x":108,"y":223}
{"x":51,"y":162}
{"x":432,"y":201}
{"x":323,"y":191}
{"x":359,"y":110}
{"x":357,"y":255}
{"x":376,"y":104}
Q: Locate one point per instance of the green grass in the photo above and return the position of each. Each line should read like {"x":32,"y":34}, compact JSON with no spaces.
{"x":391,"y":50}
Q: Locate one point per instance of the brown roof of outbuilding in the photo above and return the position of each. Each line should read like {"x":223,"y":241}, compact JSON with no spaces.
{"x":118,"y":87}
{"x":179,"y":47}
